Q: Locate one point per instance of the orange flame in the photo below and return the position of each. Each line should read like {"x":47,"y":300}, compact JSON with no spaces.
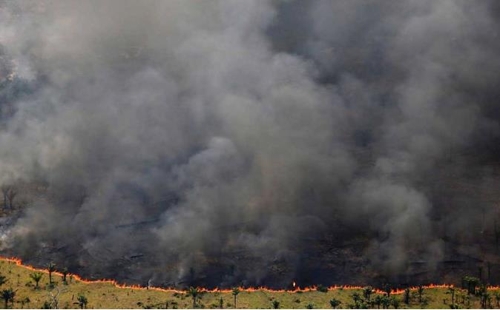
{"x":18,"y":262}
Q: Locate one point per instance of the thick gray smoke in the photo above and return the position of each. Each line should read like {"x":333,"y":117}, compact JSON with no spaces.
{"x":175,"y":136}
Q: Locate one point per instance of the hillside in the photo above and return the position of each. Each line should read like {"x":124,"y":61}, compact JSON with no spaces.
{"x":108,"y":294}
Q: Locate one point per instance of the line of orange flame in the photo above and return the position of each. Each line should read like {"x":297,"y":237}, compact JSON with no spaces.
{"x":18,"y":262}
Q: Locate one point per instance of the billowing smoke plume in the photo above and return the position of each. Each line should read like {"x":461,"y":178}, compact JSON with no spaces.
{"x":167,"y":139}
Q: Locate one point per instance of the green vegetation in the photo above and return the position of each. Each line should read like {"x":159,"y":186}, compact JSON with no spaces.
{"x":32,"y":289}
{"x":8,"y":296}
{"x":51,"y":267}
{"x":195,"y":294}
{"x":82,"y":301}
{"x":235,"y":293}
{"x":335,"y":303}
{"x":36,"y":276}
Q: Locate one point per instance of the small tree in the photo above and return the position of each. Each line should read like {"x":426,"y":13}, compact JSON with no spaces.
{"x":335,"y":303}
{"x":235,"y":293}
{"x":451,"y":291}
{"x":36,"y":276}
{"x":82,"y":301}
{"x":358,"y":302}
{"x":276,"y":304}
{"x":406,"y":296}
{"x":387,"y":289}
{"x":484,"y":296}
{"x":367,"y":293}
{"x":378,"y":301}
{"x":8,"y":295}
{"x":386,"y":301}
{"x":322,"y":289}
{"x":51,"y":267}
{"x":470,"y":283}
{"x":310,"y":306}
{"x":64,"y":275}
{"x":195,"y":294}
{"x":420,"y":291}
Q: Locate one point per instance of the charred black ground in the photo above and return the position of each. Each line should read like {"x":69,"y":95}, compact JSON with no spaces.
{"x":252,"y":143}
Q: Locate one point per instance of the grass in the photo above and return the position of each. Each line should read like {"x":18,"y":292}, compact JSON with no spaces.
{"x":109,"y":295}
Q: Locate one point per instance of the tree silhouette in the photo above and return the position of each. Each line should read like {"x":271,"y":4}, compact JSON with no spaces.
{"x":276,"y":304}
{"x":235,"y":293}
{"x":406,"y":296}
{"x":386,"y":301}
{"x":378,"y":301}
{"x":387,"y":289}
{"x":484,"y":296}
{"x":470,"y":284}
{"x":335,"y":303}
{"x":3,"y":280}
{"x":64,"y":275}
{"x":420,"y":292}
{"x":36,"y":276}
{"x":8,"y":295}
{"x":82,"y":301}
{"x":367,"y":293}
{"x":451,"y":291}
{"x":195,"y":294}
{"x":51,"y":267}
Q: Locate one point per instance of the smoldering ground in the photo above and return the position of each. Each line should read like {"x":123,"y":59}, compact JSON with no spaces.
{"x":171,"y":137}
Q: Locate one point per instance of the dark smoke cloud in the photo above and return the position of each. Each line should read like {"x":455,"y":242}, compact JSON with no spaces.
{"x":192,"y":131}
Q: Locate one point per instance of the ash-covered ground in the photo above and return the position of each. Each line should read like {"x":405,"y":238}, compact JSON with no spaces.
{"x":252,"y":143}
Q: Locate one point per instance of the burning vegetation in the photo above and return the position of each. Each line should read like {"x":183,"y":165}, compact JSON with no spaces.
{"x":62,"y":290}
{"x":277,"y":144}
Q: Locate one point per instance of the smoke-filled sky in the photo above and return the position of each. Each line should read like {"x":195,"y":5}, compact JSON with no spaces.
{"x":186,"y":129}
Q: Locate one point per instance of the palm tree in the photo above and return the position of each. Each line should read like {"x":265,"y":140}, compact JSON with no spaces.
{"x":335,"y":303}
{"x":8,"y":295}
{"x":64,"y":274}
{"x":451,"y":291}
{"x":367,"y":292}
{"x":82,"y":301}
{"x":484,"y":295}
{"x":406,"y":297}
{"x":36,"y":276}
{"x":386,"y":301}
{"x":51,"y":267}
{"x":236,"y":291}
{"x":420,"y":292}
{"x":378,"y":301}
{"x":194,"y":293}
